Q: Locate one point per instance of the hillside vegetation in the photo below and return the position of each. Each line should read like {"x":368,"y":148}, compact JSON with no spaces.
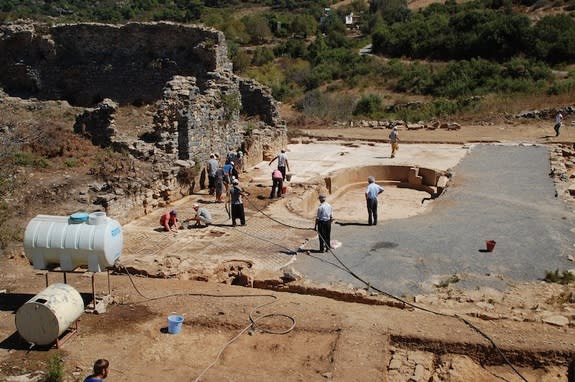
{"x":453,"y":59}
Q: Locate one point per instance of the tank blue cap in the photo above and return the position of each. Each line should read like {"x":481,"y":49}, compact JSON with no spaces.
{"x":79,"y":217}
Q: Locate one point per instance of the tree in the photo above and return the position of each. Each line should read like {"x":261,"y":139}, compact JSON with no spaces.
{"x":257,"y":29}
{"x":554,"y":38}
{"x":304,"y":25}
{"x":368,"y":105}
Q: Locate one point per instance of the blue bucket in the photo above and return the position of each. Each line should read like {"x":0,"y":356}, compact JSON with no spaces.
{"x":175,"y":324}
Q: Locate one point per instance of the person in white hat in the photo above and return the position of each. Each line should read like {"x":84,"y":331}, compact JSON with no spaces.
{"x":203,"y":216}
{"x":323,"y":220}
{"x":236,"y":194}
{"x":394,"y":139}
{"x":558,"y":121}
{"x":228,"y":171}
{"x":282,"y":163}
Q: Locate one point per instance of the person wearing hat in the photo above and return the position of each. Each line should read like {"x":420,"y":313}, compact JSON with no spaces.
{"x":373,"y":189}
{"x":236,"y":194}
{"x":282,"y":163}
{"x":228,"y":172}
{"x":558,"y":121}
{"x":203,"y":216}
{"x":169,"y":221}
{"x":323,"y":220}
{"x":394,"y":139}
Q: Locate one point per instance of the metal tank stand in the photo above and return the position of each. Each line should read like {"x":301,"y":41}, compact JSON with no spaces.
{"x":69,"y":333}
{"x":97,"y":305}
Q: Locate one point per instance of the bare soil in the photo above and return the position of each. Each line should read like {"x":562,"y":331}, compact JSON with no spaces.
{"x":337,"y":335}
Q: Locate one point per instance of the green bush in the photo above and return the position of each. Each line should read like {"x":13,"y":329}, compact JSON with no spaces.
{"x":262,"y":56}
{"x":55,"y":369}
{"x":562,"y":87}
{"x":25,"y":158}
{"x":71,"y":162}
{"x":554,"y":277}
{"x":368,"y":105}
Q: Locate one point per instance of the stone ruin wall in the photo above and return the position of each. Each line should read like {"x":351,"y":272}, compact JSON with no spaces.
{"x":201,"y":106}
{"x":85,"y":63}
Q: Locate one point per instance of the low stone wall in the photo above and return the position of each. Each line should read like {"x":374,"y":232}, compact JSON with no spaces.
{"x":423,"y":179}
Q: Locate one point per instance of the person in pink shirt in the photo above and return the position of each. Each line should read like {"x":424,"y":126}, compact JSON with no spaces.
{"x":169,"y":221}
{"x":277,"y":179}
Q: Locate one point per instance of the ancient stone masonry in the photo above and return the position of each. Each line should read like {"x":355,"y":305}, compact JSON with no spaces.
{"x":98,"y":124}
{"x":192,"y":123}
{"x":85,"y":63}
{"x":201,"y":107}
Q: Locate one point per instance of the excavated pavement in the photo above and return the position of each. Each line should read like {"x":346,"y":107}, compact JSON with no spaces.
{"x":498,"y":192}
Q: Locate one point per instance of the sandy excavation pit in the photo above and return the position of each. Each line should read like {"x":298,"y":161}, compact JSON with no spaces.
{"x":277,"y":228}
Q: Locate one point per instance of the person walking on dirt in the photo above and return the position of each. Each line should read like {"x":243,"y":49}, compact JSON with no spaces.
{"x":558,"y":121}
{"x":323,"y":220}
{"x":394,"y":139}
{"x":169,"y":221}
{"x":282,"y":163}
{"x":101,"y":367}
{"x":371,"y":193}
{"x":277,"y":184}
{"x":236,"y":194}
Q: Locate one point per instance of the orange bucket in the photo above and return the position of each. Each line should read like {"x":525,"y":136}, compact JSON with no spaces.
{"x":490,"y":244}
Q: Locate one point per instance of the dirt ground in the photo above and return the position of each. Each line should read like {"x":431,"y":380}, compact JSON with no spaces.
{"x":337,"y":335}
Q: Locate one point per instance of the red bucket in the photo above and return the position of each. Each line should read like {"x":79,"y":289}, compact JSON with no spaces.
{"x":284,"y":190}
{"x":490,"y":244}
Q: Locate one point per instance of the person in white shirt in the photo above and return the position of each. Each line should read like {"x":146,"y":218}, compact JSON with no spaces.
{"x":282,"y":163}
{"x":323,"y":220}
{"x":371,"y":192}
{"x":558,"y":120}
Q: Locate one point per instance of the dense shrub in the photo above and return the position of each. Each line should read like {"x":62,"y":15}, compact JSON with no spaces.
{"x":369,"y":105}
{"x":262,"y":55}
{"x":473,"y":77}
{"x":488,"y":30}
{"x":554,"y":39}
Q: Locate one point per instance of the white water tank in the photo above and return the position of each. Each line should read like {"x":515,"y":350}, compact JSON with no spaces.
{"x":71,"y":241}
{"x":43,"y":318}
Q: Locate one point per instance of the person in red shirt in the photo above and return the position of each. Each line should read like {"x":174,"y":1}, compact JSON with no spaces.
{"x":169,"y":221}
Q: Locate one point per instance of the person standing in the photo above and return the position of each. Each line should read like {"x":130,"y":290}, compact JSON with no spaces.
{"x":211,"y":168}
{"x":371,"y":193}
{"x":323,"y":220}
{"x":228,"y":170}
{"x":219,"y":184}
{"x":240,"y":161}
{"x":282,"y":163}
{"x":101,"y":367}
{"x":394,"y":139}
{"x":558,"y":121}
{"x":236,"y":194}
{"x":277,"y":183}
{"x":169,"y":221}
